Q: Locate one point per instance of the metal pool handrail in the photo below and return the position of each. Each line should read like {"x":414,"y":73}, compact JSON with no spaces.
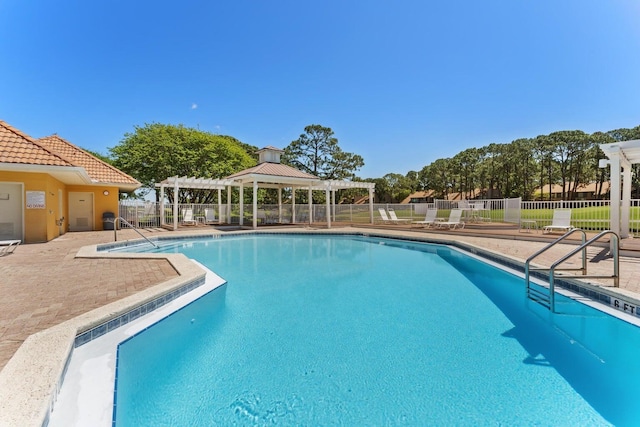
{"x":615,"y":249}
{"x":534,"y":293}
{"x":124,"y":221}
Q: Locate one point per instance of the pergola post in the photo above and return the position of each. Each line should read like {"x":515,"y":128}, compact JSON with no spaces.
{"x":279,"y":205}
{"x":241,"y":204}
{"x":310,"y":206}
{"x":371,"y":205}
{"x":327,"y":194}
{"x":255,"y":205}
{"x":161,"y":205}
{"x":333,"y":204}
{"x":227,"y":218}
{"x":293,"y":205}
{"x":175,"y":205}
{"x":219,"y":206}
{"x":626,"y":201}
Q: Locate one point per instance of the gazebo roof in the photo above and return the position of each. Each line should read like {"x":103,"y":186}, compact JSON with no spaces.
{"x":274,"y":173}
{"x":269,"y":173}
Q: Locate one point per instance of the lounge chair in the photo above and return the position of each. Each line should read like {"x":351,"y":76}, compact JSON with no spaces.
{"x":453,"y":221}
{"x":8,"y":246}
{"x":210,"y":216}
{"x":429,"y":218}
{"x":561,"y":221}
{"x":383,"y":215}
{"x":187,"y":217}
{"x":395,"y":219}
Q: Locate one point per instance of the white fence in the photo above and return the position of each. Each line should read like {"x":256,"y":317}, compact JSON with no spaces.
{"x":586,"y":214}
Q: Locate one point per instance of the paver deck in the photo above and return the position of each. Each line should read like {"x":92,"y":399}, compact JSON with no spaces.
{"x":44,"y":284}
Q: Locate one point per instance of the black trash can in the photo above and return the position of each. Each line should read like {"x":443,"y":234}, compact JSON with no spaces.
{"x":108,"y":221}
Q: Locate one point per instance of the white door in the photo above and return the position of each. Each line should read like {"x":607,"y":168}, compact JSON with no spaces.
{"x":80,"y":211}
{"x":10,"y":211}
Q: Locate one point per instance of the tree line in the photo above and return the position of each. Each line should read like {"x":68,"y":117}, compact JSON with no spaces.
{"x":526,"y":167}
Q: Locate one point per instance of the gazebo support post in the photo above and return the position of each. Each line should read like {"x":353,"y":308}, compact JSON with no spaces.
{"x":310,"y":206}
{"x":175,"y":205}
{"x":293,"y":205}
{"x":228,"y":213}
{"x":219,"y":206}
{"x":279,"y":205}
{"x":371,"y":205}
{"x":255,"y":205}
{"x":241,"y":204}
{"x":333,"y":205}
{"x":327,"y":194}
{"x":162,"y":205}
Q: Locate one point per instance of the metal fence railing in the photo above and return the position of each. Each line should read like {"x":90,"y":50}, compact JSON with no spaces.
{"x":586,"y":214}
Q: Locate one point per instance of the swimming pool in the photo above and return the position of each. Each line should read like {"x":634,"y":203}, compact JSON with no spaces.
{"x":358,"y":331}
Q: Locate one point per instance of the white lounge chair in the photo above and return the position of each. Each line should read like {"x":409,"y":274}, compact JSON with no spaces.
{"x":8,"y":246}
{"x":187,"y":217}
{"x":561,"y":221}
{"x":453,"y":221}
{"x":429,"y":218}
{"x":397,"y":220}
{"x":210,"y":216}
{"x":383,"y":215}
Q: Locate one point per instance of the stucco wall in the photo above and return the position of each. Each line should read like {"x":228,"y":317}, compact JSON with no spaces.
{"x":40,"y":224}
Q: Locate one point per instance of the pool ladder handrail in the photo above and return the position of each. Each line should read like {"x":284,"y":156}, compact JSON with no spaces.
{"x":549,"y":300}
{"x":124,"y":221}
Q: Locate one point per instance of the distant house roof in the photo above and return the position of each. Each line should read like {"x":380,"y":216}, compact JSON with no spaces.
{"x":59,"y":158}
{"x":418,"y":195}
{"x":592,"y":187}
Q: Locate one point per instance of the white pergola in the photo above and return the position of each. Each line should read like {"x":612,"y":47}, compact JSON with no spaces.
{"x":269,"y":173}
{"x":621,"y":155}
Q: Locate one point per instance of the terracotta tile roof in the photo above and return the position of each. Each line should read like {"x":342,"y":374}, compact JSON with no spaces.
{"x":18,"y":147}
{"x":98,"y":170}
{"x":274,"y":169}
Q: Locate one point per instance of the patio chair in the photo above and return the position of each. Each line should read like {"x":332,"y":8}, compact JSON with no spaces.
{"x":384,"y":216}
{"x":395,"y":219}
{"x":187,"y":217}
{"x":453,"y":221}
{"x":8,"y":246}
{"x":429,"y":218}
{"x":210,"y":216}
{"x":561,"y":221}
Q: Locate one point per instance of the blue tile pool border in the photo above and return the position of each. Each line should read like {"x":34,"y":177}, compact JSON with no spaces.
{"x":135,"y":313}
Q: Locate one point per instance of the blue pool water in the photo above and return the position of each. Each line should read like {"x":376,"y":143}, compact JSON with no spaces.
{"x":344,"y":330}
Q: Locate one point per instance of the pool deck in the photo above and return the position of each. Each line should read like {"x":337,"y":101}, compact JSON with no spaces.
{"x":45,"y":285}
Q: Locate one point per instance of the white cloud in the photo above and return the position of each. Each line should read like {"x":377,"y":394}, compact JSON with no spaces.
{"x":194,"y":106}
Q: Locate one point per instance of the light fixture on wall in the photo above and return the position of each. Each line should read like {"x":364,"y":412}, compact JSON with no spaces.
{"x":105,"y":192}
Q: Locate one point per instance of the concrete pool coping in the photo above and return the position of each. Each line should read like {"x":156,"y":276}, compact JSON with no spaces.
{"x":31,"y":380}
{"x":29,"y":383}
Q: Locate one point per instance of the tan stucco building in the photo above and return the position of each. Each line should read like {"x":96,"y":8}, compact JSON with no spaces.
{"x":49,"y":186}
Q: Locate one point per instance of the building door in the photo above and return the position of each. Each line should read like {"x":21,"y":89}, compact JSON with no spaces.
{"x":80,"y":211}
{"x":11,"y":211}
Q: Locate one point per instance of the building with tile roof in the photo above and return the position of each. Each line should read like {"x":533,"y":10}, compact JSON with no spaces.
{"x":49,"y":186}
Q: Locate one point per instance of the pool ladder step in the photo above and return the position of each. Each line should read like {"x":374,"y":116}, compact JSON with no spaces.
{"x":546,"y":296}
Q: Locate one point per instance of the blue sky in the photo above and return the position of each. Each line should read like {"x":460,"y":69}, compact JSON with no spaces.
{"x":401,"y":83}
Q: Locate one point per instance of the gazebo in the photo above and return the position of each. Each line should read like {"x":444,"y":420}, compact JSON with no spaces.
{"x":621,"y":155}
{"x":269,"y":173}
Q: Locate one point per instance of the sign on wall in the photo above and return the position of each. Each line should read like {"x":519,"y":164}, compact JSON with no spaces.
{"x":35,"y":200}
